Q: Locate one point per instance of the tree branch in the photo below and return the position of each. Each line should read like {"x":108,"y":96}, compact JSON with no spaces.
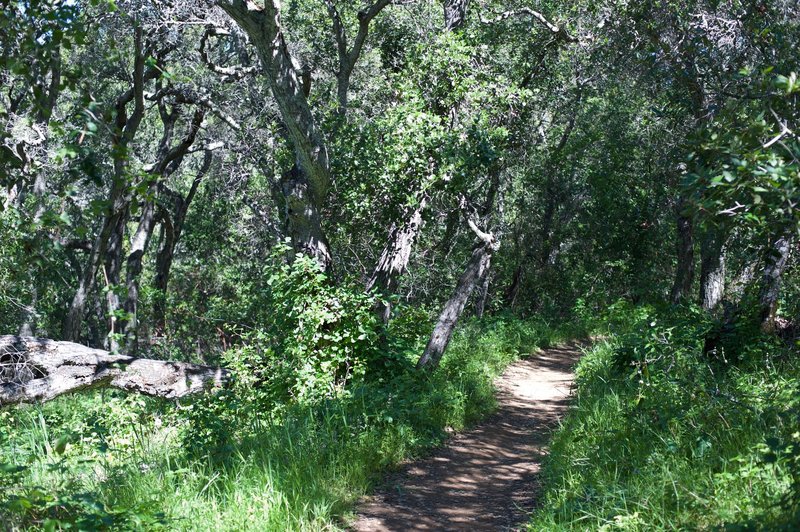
{"x":348,"y":58}
{"x":553,"y":28}
{"x":229,"y":74}
{"x":487,"y":238}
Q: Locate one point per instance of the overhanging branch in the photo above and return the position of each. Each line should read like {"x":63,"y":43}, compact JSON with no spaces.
{"x":541,"y":19}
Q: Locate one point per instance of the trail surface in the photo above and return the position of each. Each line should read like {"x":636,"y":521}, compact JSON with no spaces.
{"x":486,"y":478}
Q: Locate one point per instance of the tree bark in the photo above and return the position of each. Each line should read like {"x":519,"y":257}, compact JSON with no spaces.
{"x":112,"y":275}
{"x":112,"y":226}
{"x":455,"y":14}
{"x":349,"y":56}
{"x":306,"y":186}
{"x":36,"y":369}
{"x":395,"y":256}
{"x":483,"y":293}
{"x":684,"y":272}
{"x":476,"y":268}
{"x":512,"y":292}
{"x":74,"y":319}
{"x":771,"y":282}
{"x":133,"y":269}
{"x":302,"y":217}
{"x":168,"y":161}
{"x":173,"y":228}
{"x":712,"y":270}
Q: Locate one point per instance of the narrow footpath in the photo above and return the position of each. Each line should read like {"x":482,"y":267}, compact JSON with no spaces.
{"x":486,"y":478}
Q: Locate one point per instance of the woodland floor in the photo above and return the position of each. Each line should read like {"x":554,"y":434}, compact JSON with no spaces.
{"x":486,"y":478}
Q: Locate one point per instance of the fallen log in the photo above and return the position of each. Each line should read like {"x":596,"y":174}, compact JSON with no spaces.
{"x":37,"y":369}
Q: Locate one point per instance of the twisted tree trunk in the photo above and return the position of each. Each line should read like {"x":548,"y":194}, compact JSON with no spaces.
{"x":395,"y":256}
{"x":172,"y":230}
{"x":455,"y":14}
{"x":306,"y":186}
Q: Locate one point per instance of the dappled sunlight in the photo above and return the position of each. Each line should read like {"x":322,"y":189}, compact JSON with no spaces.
{"x":485,"y":478}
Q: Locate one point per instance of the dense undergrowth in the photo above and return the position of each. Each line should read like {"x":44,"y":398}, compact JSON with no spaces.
{"x":664,"y":436}
{"x":244,"y":459}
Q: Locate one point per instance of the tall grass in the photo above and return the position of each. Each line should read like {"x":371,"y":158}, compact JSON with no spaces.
{"x":664,"y":437}
{"x":126,"y":465}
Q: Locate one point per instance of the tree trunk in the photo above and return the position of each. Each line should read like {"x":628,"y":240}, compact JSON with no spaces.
{"x":306,"y":185}
{"x":712,"y":271}
{"x":476,"y":268}
{"x":455,"y":14}
{"x":74,"y":319}
{"x":771,"y":282}
{"x":395,"y":256}
{"x":349,"y":56}
{"x":168,"y":161}
{"x":512,"y":292}
{"x":113,"y":225}
{"x":112,"y":275}
{"x":684,"y":273}
{"x":303,"y":220}
{"x":166,"y":252}
{"x":133,"y":269}
{"x":483,"y":293}
{"x":36,"y":369}
{"x":28,"y":327}
{"x":172,"y":233}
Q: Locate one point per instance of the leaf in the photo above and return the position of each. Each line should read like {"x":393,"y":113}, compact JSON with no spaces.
{"x":61,"y":445}
{"x":11,"y":468}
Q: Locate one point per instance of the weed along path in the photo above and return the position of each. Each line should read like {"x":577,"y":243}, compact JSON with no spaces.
{"x":486,"y":478}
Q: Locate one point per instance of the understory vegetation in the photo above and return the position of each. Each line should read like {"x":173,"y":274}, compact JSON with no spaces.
{"x":239,"y":460}
{"x":663,"y":435}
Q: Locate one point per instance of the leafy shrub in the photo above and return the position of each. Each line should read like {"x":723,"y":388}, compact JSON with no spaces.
{"x":314,"y":342}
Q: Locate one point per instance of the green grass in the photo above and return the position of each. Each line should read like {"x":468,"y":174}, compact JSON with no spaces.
{"x":662,"y":437}
{"x":127,"y":465}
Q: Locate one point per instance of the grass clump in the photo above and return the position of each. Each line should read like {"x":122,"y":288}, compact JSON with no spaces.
{"x":668,"y":432}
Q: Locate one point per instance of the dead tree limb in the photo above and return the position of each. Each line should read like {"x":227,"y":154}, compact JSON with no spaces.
{"x":37,"y":369}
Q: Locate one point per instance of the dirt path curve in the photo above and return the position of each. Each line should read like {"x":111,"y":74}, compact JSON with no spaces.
{"x":486,"y":478}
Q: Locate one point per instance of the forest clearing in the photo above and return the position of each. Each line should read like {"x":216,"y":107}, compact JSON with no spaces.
{"x":399,"y":264}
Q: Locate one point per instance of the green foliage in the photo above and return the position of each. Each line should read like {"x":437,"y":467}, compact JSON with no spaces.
{"x":314,"y":342}
{"x":744,"y":170}
{"x":663,"y":437}
{"x":46,"y":455}
{"x":569,"y":145}
{"x":296,"y":465}
{"x":318,"y":339}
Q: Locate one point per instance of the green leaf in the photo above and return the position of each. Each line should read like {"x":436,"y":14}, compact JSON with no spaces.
{"x":61,"y":445}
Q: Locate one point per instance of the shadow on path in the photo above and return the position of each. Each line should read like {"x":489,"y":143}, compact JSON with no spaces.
{"x":486,"y":478}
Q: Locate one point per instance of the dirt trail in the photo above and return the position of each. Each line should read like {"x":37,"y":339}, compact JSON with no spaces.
{"x":486,"y":478}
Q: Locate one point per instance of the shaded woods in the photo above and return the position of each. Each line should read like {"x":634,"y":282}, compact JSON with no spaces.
{"x":255,"y":254}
